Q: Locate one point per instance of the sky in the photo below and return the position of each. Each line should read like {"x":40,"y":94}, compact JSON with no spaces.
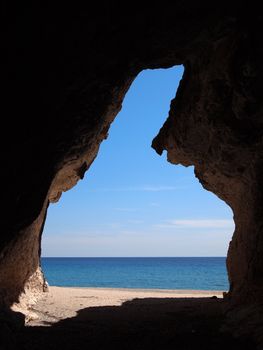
{"x":132,"y":202}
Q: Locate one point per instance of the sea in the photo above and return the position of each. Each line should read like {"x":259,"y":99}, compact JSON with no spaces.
{"x":199,"y":273}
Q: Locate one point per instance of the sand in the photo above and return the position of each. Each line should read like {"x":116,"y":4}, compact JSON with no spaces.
{"x":128,"y":319}
{"x":64,"y":302}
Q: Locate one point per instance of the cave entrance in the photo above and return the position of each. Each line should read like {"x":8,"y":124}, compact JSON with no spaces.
{"x":133,"y":203}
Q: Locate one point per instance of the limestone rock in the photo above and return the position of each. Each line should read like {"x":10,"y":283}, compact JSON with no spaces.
{"x":68,"y":69}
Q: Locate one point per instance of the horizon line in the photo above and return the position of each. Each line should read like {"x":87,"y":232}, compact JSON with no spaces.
{"x":199,"y":256}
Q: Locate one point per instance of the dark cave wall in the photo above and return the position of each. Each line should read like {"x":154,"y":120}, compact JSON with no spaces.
{"x":215,"y":124}
{"x":67,"y":71}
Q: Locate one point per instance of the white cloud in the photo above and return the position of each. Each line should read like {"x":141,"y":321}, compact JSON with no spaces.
{"x":114,"y":225}
{"x":197,"y":223}
{"x":137,"y":243}
{"x":203,"y":223}
{"x":154,"y":204}
{"x":135,"y":221}
{"x":159,"y":188}
{"x":147,"y":188}
{"x":128,"y":210}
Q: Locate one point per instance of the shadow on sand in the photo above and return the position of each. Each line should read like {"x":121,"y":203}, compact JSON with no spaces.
{"x":150,"y":323}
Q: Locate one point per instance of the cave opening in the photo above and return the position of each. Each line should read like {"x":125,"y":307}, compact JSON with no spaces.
{"x":67,"y":71}
{"x":133,"y":203}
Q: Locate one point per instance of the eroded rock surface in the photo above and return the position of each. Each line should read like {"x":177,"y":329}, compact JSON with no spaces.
{"x":215,"y":124}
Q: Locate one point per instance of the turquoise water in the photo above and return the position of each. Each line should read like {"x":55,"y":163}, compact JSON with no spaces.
{"x":160,"y":273}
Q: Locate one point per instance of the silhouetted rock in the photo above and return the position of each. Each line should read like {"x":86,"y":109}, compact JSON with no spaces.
{"x":67,"y":71}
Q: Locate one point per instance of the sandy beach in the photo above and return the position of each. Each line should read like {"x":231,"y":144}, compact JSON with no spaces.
{"x":128,"y":319}
{"x":64,"y":302}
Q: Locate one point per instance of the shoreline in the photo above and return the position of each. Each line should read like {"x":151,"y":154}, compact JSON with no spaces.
{"x":145,"y":290}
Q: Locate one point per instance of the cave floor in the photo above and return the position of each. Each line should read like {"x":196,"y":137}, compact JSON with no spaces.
{"x":140,"y":323}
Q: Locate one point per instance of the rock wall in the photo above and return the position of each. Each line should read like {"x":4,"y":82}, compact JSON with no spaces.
{"x":215,"y":124}
{"x":67,"y":72}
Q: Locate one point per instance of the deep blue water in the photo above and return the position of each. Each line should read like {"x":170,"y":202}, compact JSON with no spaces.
{"x":160,"y":273}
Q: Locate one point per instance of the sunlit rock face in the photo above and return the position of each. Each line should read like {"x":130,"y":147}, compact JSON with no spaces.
{"x":68,"y":72}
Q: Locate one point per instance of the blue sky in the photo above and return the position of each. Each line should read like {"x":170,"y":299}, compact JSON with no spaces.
{"x":132,"y":202}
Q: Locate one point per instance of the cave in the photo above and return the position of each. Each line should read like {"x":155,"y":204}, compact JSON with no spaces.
{"x":67,"y":70}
